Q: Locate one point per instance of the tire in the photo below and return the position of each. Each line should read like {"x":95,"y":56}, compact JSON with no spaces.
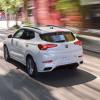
{"x":31,"y":67}
{"x":6,"y":54}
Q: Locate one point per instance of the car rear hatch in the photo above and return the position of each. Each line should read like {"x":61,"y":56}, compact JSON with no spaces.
{"x":61,"y":47}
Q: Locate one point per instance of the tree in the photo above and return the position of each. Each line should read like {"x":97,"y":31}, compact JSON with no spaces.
{"x":15,"y":5}
{"x":65,"y":5}
{"x":70,"y":9}
{"x":25,"y":6}
{"x":10,"y":7}
{"x":4,"y":6}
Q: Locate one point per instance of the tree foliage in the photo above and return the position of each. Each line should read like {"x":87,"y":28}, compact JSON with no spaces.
{"x":10,"y":6}
{"x":65,"y":5}
{"x":25,"y":6}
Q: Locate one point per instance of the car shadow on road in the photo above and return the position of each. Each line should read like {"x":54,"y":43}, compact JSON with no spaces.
{"x":65,"y":77}
{"x":62,"y":77}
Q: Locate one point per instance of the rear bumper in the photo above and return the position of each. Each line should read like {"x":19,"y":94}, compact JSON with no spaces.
{"x":53,"y":61}
{"x":64,"y":66}
{"x":51,"y":66}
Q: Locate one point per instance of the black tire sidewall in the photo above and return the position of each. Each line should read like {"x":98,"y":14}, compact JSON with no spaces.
{"x":34,"y":67}
{"x":74,"y":67}
{"x":8,"y":58}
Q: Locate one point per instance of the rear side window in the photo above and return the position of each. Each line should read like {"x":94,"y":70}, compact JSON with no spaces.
{"x":58,"y":37}
{"x":28,"y":34}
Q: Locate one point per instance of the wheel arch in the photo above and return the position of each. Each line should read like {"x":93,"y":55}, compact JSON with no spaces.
{"x":29,"y":55}
{"x":5,"y":45}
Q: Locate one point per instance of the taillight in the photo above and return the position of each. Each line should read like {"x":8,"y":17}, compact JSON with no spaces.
{"x":46,"y":46}
{"x":78,"y":43}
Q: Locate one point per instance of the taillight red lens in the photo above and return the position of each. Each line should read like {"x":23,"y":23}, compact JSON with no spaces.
{"x":78,"y":43}
{"x":46,"y":46}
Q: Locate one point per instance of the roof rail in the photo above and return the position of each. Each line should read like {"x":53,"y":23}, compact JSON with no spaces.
{"x":33,"y":27}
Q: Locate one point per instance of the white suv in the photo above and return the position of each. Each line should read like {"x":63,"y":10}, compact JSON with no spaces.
{"x":42,"y":49}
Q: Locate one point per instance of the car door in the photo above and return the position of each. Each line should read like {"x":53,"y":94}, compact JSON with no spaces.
{"x":15,"y":44}
{"x":21,"y":43}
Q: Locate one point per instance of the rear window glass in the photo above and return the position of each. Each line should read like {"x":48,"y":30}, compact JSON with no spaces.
{"x":58,"y":37}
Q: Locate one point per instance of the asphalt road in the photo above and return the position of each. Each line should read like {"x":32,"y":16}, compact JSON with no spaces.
{"x":80,"y":84}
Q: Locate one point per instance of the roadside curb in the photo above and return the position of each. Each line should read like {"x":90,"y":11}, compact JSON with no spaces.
{"x":90,"y":43}
{"x":91,"y":50}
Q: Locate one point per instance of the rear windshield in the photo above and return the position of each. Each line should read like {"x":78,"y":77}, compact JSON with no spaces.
{"x":58,"y":37}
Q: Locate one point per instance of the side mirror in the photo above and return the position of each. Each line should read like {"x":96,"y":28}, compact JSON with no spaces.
{"x":10,"y":36}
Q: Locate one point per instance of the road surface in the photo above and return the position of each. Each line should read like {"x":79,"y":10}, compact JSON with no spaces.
{"x":82,"y":84}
